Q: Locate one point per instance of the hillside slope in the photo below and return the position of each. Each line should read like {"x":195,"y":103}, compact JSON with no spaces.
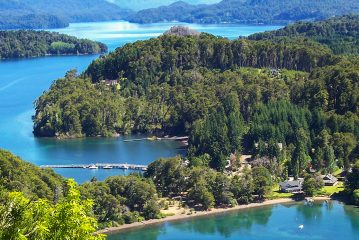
{"x":29,"y":14}
{"x":341,"y":34}
{"x":146,"y":4}
{"x":248,"y":11}
{"x":18,"y":175}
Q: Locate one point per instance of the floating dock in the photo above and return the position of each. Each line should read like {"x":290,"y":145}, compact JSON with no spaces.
{"x":106,"y":166}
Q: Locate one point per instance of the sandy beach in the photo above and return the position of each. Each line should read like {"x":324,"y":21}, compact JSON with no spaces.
{"x":182,"y":216}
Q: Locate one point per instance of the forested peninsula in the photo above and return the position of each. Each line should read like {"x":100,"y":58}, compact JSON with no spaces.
{"x":29,"y":43}
{"x":291,"y":102}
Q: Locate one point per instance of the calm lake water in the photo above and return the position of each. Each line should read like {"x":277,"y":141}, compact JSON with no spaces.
{"x":23,"y":81}
{"x":333,"y":221}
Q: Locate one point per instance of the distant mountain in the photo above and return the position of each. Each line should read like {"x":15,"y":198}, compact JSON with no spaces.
{"x":30,"y":14}
{"x":15,"y":14}
{"x":248,"y":11}
{"x":145,"y":4}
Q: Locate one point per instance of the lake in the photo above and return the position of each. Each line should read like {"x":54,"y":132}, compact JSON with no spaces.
{"x":23,"y":81}
{"x":321,"y":221}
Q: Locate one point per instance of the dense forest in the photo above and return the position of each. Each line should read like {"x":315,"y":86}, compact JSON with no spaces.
{"x":248,"y":11}
{"x":28,"y":43}
{"x":230,"y":97}
{"x":340,"y":34}
{"x":292,"y":103}
{"x":38,"y":204}
{"x":36,"y":213}
{"x":41,"y":14}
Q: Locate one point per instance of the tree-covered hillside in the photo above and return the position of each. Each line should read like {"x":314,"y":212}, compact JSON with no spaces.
{"x":341,"y":34}
{"x":28,"y":43}
{"x":230,"y":97}
{"x":38,"y":204}
{"x":145,"y":4}
{"x":15,"y":15}
{"x":33,"y":182}
{"x":31,"y":14}
{"x":248,"y":11}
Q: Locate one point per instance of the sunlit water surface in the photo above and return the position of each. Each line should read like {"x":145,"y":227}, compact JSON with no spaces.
{"x":333,"y":221}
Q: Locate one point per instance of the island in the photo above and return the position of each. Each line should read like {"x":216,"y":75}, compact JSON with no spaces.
{"x":31,"y":43}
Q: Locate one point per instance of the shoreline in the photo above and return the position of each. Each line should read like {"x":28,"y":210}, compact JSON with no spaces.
{"x":178,"y":217}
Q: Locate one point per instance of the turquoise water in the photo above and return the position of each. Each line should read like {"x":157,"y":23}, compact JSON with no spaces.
{"x":333,"y":221}
{"x":23,"y":81}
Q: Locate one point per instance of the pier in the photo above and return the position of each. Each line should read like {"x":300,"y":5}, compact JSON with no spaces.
{"x":154,"y":138}
{"x":107,"y":166}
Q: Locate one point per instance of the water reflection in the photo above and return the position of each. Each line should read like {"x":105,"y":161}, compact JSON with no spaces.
{"x":332,"y":221}
{"x":311,"y":212}
{"x":353,"y":215}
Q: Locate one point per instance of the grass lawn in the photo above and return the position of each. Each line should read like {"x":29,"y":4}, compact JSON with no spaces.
{"x":276,"y":194}
{"x":337,"y":172}
{"x":330,"y":190}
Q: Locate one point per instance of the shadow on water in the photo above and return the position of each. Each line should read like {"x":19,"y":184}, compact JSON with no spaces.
{"x":353,"y":215}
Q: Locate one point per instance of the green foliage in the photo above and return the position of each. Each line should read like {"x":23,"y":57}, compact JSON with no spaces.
{"x":168,"y":175}
{"x":134,"y":191}
{"x":147,"y":62}
{"x":312,"y":184}
{"x":262,"y":181}
{"x":230,"y":97}
{"x":74,"y":107}
{"x":352,"y":180}
{"x":19,"y":176}
{"x":242,"y":187}
{"x":71,"y":218}
{"x":339,"y":33}
{"x":356,"y":196}
{"x":27,"y":43}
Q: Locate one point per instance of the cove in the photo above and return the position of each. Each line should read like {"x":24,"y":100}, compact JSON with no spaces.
{"x":321,"y":221}
{"x":22,"y":81}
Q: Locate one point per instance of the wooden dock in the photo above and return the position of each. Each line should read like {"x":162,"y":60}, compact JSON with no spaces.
{"x":107,"y":166}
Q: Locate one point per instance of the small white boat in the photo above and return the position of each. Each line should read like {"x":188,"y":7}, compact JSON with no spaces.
{"x":107,"y":167}
{"x":93,"y":166}
{"x":125,"y":166}
{"x":301,"y":227}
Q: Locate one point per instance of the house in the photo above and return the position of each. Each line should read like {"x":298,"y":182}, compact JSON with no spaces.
{"x":110,"y":82}
{"x":292,"y":186}
{"x":329,"y":180}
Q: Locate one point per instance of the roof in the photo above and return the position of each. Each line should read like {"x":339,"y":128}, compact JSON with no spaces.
{"x":291,"y":184}
{"x":329,"y":178}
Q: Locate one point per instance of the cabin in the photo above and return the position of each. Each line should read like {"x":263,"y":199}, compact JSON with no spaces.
{"x":292,"y":186}
{"x":280,"y":145}
{"x":109,"y":82}
{"x":330,"y":180}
